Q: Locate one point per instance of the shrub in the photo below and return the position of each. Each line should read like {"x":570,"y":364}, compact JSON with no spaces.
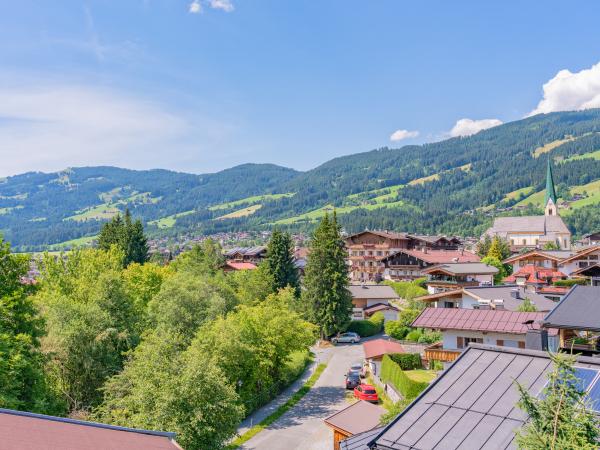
{"x":393,"y":374}
{"x":570,"y":283}
{"x":430,"y":337}
{"x":414,"y":335}
{"x":395,"y":329}
{"x":368,"y":327}
{"x":407,"y":361}
{"x":408,"y":316}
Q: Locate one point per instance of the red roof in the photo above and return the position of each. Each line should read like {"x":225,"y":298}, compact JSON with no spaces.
{"x":443,"y":256}
{"x":380,"y":347}
{"x":535,"y":274}
{"x":493,"y":320}
{"x":22,"y":430}
{"x":240,"y":265}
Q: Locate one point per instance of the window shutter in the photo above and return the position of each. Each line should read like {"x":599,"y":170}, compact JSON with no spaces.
{"x":521,"y":344}
{"x":500,"y":342}
{"x":460,"y":342}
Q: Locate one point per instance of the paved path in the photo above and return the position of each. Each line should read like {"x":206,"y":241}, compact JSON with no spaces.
{"x":302,"y":426}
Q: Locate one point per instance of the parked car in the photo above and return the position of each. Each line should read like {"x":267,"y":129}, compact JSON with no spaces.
{"x":366,"y":392}
{"x":352,"y":380}
{"x":348,"y":338}
{"x":358,"y":368}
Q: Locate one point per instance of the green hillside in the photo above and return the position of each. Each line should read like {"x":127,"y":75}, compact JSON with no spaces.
{"x":453,"y":186}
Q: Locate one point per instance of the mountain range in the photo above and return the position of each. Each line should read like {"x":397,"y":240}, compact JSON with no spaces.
{"x":455,"y":186}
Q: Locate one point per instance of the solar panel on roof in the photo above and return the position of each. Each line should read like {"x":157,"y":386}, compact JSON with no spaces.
{"x":594,"y":396}
{"x":584,"y":377}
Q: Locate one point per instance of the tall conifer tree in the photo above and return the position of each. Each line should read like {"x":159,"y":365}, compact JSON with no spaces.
{"x":326,"y":293}
{"x":280,"y":261}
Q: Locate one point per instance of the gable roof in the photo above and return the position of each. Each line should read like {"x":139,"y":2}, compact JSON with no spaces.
{"x":20,"y":430}
{"x":356,"y":418}
{"x":581,"y":253}
{"x":462,"y":268}
{"x":533,"y":224}
{"x":380,"y":347}
{"x":472,"y":404}
{"x":438,"y":256}
{"x":535,"y":274}
{"x":554,"y":255}
{"x":578,"y":310}
{"x":240,"y":265}
{"x":488,"y":320}
{"x":382,"y":291}
{"x":379,"y":307}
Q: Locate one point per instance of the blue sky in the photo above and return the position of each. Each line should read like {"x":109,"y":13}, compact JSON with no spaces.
{"x":204,"y":85}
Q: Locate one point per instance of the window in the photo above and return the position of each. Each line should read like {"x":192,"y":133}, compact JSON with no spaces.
{"x":462,"y":342}
{"x":448,"y":305}
{"x":524,"y":241}
{"x":512,"y":242}
{"x":379,"y":253}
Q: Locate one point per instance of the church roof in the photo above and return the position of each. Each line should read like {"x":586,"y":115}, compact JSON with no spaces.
{"x":525,"y":224}
{"x":550,"y":191}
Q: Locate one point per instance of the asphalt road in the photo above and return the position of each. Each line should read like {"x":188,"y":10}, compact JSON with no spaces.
{"x":302,"y":426}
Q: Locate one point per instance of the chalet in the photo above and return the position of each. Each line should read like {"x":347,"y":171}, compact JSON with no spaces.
{"x":357,"y":418}
{"x":524,"y":232}
{"x":446,"y":277}
{"x":234,"y":266}
{"x":591,"y":273}
{"x":548,"y":259}
{"x":577,"y":317}
{"x":473,"y":404}
{"x":505,"y":297}
{"x":367,"y":299}
{"x":535,"y":277}
{"x":590,"y":239}
{"x":252,"y":255}
{"x":406,"y":265}
{"x":460,"y":327}
{"x":365,"y":250}
{"x":581,"y":260}
{"x":24,"y":430}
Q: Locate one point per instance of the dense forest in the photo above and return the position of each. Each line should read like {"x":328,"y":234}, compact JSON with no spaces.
{"x":455,"y":186}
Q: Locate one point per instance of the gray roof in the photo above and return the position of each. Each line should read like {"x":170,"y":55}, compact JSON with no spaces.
{"x":360,"y":441}
{"x":474,"y":268}
{"x":510,"y":303}
{"x":537,"y":224}
{"x":373,"y":291}
{"x":356,"y":418}
{"x":578,"y":310}
{"x":472,"y":404}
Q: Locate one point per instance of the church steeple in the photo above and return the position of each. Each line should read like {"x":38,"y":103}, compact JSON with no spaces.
{"x":550,"y":200}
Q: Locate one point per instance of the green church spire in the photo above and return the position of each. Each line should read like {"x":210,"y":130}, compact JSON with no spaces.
{"x":550,"y":191}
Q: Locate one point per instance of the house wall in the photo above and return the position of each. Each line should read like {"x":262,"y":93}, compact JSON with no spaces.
{"x":366,"y":302}
{"x":579,"y":263}
{"x":510,"y":340}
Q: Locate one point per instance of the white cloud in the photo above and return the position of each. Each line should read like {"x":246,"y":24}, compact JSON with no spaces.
{"x":225,"y":5}
{"x":571,"y":91}
{"x":51,"y":127}
{"x":195,"y":7}
{"x":467,"y":127}
{"x":399,"y":135}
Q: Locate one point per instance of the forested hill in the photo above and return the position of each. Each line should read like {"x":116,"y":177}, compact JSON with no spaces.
{"x":453,"y":186}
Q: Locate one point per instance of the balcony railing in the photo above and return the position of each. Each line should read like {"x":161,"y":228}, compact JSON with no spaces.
{"x":435,"y":352}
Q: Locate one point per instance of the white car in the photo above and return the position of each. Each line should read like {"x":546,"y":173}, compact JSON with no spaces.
{"x":348,"y":338}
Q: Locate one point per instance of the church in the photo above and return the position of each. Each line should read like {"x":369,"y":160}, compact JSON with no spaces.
{"x":535,"y":231}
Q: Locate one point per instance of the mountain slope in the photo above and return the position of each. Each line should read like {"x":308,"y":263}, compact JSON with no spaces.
{"x":452,"y":186}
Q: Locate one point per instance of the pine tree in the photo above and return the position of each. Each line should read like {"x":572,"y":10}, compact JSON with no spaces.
{"x":495,"y":250}
{"x":280,"y":261}
{"x":127,"y":235}
{"x":326,"y":293}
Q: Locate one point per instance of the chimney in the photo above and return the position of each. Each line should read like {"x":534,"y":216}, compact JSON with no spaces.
{"x":515,"y":293}
{"x":537,"y":340}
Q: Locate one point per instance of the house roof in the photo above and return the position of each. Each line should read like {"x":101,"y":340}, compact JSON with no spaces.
{"x":360,"y":441}
{"x":382,"y":291}
{"x":464,"y":268}
{"x":24,"y":430}
{"x":488,"y":320}
{"x":554,"y":255}
{"x":438,"y":256}
{"x":536,"y":275}
{"x":588,"y":271}
{"x":578,"y":310}
{"x":533,"y":224}
{"x":379,"y":307}
{"x":240,"y":265}
{"x":356,"y":418}
{"x":383,"y":234}
{"x":471,"y":405}
{"x":581,"y":253}
{"x":247,"y":251}
{"x":380,"y":347}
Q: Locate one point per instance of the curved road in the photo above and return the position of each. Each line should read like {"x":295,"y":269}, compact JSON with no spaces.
{"x":302,"y":426}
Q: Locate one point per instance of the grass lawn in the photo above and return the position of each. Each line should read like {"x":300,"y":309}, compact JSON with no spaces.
{"x":169,"y":221}
{"x":551,"y":146}
{"x":421,"y":375}
{"x":590,"y":155}
{"x":250,"y":200}
{"x":79,"y":242}
{"x":241,"y":212}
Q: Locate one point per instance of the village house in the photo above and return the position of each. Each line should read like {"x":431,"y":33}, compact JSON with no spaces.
{"x":503,"y":297}
{"x":474,"y":403}
{"x":234,"y":266}
{"x":582,"y":259}
{"x":365,"y":250}
{"x":540,"y":280}
{"x":547,"y":259}
{"x":589,"y":239}
{"x":357,"y":418}
{"x":447,"y":277}
{"x":532,"y":232}
{"x":577,"y":317}
{"x":376,"y":349}
{"x":25,"y":430}
{"x":459,"y":327}
{"x":407,"y":265}
{"x":253,"y":255}
{"x":367,"y":299}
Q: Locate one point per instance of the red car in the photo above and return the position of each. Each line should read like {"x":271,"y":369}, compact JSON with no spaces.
{"x":366,"y":392}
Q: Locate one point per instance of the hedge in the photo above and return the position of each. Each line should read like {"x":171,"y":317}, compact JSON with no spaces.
{"x":367,"y":327}
{"x":572,"y":282}
{"x":407,"y":361}
{"x":393,"y":374}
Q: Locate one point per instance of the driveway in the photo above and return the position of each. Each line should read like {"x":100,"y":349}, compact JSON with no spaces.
{"x":302,"y":426}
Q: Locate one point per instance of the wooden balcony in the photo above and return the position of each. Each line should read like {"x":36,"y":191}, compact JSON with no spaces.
{"x":435,"y":352}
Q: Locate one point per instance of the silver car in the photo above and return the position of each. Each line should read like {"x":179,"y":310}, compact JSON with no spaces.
{"x":346,"y":338}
